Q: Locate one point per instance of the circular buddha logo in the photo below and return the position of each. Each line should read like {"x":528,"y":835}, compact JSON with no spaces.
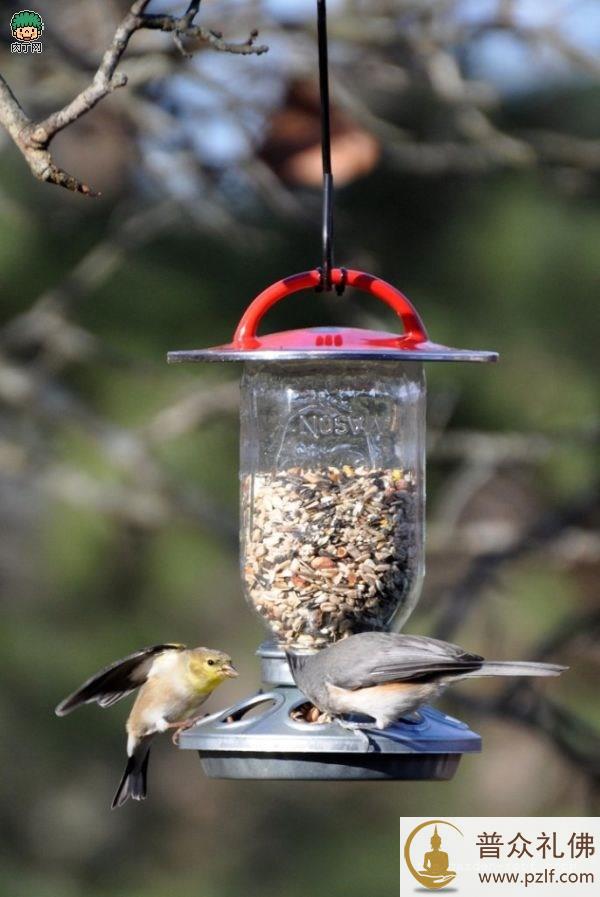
{"x":427,"y":860}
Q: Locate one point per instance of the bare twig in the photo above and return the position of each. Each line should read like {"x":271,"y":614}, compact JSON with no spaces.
{"x":484,"y":569}
{"x":191,"y":411}
{"x":33,"y":138}
{"x":45,"y":322}
{"x":147,"y":497}
{"x":181,"y":27}
{"x":574,"y":738}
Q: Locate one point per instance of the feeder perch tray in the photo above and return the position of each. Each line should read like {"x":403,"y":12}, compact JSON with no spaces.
{"x":257,"y":738}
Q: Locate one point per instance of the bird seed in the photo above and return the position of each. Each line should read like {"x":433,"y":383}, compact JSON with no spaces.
{"x":329,"y":552}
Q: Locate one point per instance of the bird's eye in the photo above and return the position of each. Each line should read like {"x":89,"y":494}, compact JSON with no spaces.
{"x":211,"y":663}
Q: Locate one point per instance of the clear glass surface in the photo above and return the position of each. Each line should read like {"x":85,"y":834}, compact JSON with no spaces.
{"x":332,"y":496}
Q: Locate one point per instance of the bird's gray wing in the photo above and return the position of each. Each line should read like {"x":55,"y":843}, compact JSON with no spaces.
{"x":375,"y":658}
{"x":116,"y":680}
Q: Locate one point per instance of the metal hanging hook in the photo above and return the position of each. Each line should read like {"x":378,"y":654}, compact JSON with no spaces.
{"x":327,"y":220}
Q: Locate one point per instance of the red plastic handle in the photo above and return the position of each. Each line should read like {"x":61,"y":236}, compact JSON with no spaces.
{"x":397,"y":301}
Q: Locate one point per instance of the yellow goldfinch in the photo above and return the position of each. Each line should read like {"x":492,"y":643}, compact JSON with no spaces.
{"x":175,"y":681}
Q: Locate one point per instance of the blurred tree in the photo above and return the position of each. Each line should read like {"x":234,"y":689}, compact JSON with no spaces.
{"x":475,"y":188}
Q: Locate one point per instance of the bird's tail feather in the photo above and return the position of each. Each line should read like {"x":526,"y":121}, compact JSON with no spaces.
{"x":134,"y":783}
{"x":513,"y":668}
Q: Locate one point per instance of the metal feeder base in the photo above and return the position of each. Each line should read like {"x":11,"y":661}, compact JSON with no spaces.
{"x":257,"y":738}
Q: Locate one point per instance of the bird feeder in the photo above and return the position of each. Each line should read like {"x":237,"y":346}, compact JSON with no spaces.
{"x":332,"y":468}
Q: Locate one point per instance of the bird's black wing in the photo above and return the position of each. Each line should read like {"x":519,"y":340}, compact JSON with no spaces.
{"x":375,"y":658}
{"x":116,"y":680}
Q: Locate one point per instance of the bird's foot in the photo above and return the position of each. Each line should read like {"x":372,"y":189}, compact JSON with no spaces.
{"x":183,"y":725}
{"x":358,"y":729}
{"x":176,"y":734}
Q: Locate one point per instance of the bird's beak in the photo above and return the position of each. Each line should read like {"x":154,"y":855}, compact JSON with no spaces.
{"x":230,"y":671}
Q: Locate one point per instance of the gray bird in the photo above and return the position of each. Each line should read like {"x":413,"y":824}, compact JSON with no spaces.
{"x":386,"y":675}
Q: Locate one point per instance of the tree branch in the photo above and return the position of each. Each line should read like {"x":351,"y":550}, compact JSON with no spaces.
{"x":571,"y":735}
{"x":33,"y":139}
{"x":483,"y":571}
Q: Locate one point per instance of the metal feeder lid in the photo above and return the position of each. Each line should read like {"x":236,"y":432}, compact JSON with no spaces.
{"x":342,"y":343}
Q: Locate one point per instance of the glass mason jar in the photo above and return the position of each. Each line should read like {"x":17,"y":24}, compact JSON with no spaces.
{"x":332,"y":474}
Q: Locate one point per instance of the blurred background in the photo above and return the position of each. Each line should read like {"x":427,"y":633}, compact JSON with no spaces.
{"x":467,"y":152}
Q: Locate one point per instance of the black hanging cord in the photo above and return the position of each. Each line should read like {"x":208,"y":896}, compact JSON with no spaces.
{"x":327,"y":265}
